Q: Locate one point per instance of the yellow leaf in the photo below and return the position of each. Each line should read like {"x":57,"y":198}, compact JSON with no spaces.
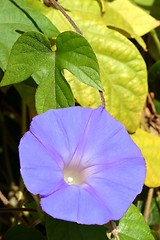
{"x":150,"y":148}
{"x":122,"y":68}
{"x":140,"y":21}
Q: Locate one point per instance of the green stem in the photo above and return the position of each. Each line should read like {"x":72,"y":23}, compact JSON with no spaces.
{"x":39,"y":210}
{"x":6,"y":210}
{"x":156,"y":40}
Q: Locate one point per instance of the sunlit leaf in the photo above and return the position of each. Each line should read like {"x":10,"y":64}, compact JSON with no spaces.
{"x":133,"y":226}
{"x":118,"y":21}
{"x":149,"y":145}
{"x":123,"y":74}
{"x":122,"y":69}
{"x":141,"y":22}
{"x":75,"y":54}
{"x":144,"y":3}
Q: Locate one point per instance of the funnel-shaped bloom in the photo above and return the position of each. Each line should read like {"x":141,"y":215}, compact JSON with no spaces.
{"x":83,"y":164}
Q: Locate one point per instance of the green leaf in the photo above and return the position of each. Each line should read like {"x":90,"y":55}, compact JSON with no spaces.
{"x":76,"y":55}
{"x":11,"y":19}
{"x":24,"y":232}
{"x":122,"y":68}
{"x":14,"y":20}
{"x":31,"y":55}
{"x":133,"y":226}
{"x":30,"y":52}
{"x":149,"y":145}
{"x":123,"y":74}
{"x":42,"y":23}
{"x":11,"y":13}
{"x":63,"y":230}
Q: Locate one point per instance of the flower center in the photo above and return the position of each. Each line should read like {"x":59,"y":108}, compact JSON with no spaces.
{"x":73,"y":175}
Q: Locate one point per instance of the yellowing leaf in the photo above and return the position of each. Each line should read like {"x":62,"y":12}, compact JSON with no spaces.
{"x":122,"y":68}
{"x":150,"y":147}
{"x":113,"y":18}
{"x":123,"y":74}
{"x":140,"y":21}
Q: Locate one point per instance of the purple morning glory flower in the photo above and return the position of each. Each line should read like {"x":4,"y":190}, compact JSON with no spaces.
{"x":83,"y":164}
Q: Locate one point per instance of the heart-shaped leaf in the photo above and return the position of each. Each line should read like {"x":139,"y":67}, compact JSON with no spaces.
{"x":31,"y":55}
{"x":123,"y":74}
{"x":122,"y":68}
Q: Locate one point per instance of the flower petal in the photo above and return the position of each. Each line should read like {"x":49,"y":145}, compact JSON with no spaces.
{"x":61,"y":130}
{"x":105,"y":140}
{"x":75,"y":204}
{"x":117,"y":185}
{"x":39,"y":170}
{"x":90,"y":143}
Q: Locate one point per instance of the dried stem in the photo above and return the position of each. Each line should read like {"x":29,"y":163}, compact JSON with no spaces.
{"x":150,"y":101}
{"x":114,"y":230}
{"x":102,"y":99}
{"x":148,"y":204}
{"x":4,"y":199}
{"x":6,"y":210}
{"x":57,"y":6}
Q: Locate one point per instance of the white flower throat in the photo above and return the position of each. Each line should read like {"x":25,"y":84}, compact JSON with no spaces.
{"x":74,"y":175}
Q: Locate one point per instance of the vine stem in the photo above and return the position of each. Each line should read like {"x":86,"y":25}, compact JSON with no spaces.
{"x":57,"y":6}
{"x":148,"y":204}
